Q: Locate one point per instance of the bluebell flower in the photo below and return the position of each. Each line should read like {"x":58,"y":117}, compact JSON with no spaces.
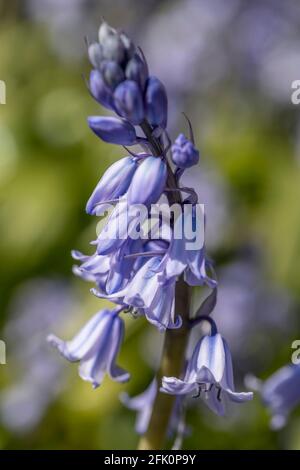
{"x":180,"y":258}
{"x":129,"y":101}
{"x":147,"y":292}
{"x":209,"y":373}
{"x":280,"y":393}
{"x":122,"y":267}
{"x":143,"y":404}
{"x":140,"y":275}
{"x":119,"y":228}
{"x":113,"y":130}
{"x":184,"y":152}
{"x":113,"y":184}
{"x":156,"y":102}
{"x":96,"y":347}
{"x":148,"y":182}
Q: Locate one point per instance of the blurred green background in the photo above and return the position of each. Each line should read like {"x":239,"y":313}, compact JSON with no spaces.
{"x":229,"y":66}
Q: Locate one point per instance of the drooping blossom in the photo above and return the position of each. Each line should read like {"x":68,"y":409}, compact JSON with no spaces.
{"x":209,"y":374}
{"x":96,"y":347}
{"x":280,"y":393}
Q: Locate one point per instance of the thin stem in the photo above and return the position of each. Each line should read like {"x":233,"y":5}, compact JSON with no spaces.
{"x":175,"y":341}
{"x":196,"y":321}
{"x":172,"y":363}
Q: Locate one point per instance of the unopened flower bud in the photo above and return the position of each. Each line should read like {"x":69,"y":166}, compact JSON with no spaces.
{"x":156,"y":102}
{"x":136,"y":70}
{"x":113,"y":49}
{"x":129,"y":102}
{"x":113,"y":184}
{"x":113,"y":130}
{"x":100,"y":90}
{"x":184,"y":153}
{"x":112,"y":73}
{"x":105,"y":32}
{"x":95,"y":54}
{"x":148,"y":182}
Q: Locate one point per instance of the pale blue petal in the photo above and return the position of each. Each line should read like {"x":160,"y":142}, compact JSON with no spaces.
{"x":239,"y":397}
{"x":85,"y":340}
{"x":116,"y":337}
{"x":212,"y":402}
{"x":212,"y":355}
{"x":174,"y":386}
{"x":113,"y":184}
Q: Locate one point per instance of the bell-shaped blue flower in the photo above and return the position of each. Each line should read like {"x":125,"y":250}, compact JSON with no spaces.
{"x":184,"y":153}
{"x":143,"y":404}
{"x":121,"y":266}
{"x":119,"y":229}
{"x":156,"y":102}
{"x":113,"y":130}
{"x":129,"y":102}
{"x":186,"y":252}
{"x":280,"y":393}
{"x":155,"y":299}
{"x":113,"y":184}
{"x":100,"y":90}
{"x":209,"y":373}
{"x":96,"y":347}
{"x":148,"y":182}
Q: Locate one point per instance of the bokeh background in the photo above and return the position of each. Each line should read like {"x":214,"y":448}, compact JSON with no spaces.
{"x":229,"y":66}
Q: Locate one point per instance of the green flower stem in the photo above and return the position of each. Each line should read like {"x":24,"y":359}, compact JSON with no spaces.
{"x":172,"y":363}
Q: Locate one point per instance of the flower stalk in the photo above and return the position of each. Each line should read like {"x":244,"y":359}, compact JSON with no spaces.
{"x":150,"y":276}
{"x":172,"y":363}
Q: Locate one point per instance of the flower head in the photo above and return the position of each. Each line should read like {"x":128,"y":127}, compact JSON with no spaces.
{"x":138,"y":274}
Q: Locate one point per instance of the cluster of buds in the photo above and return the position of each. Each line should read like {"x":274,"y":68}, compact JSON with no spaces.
{"x":120,"y":81}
